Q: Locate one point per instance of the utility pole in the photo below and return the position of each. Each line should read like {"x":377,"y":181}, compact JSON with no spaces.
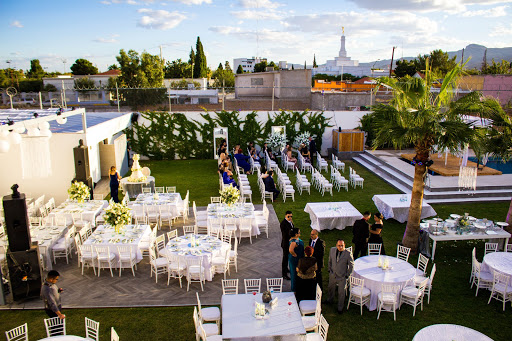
{"x":462,"y":59}
{"x":391,"y":65}
{"x":64,"y":62}
{"x":161,"y":53}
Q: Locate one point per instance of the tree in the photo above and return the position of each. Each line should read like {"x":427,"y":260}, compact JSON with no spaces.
{"x":191,"y":56}
{"x":501,"y":68}
{"x":405,"y":67}
{"x":183,"y":84}
{"x":223,"y":77}
{"x":239,"y":69}
{"x":83,"y":67}
{"x":220,"y":67}
{"x":227,"y":66}
{"x":84,"y":83}
{"x":439,"y":61}
{"x":273,"y":65}
{"x":314,"y":61}
{"x":49,"y":87}
{"x":36,"y":70}
{"x":261,"y":66}
{"x":415,"y":116}
{"x":113,"y":67}
{"x":200,"y":65}
{"x":177,"y":69}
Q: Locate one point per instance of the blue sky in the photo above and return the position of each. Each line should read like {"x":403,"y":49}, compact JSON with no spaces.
{"x":56,"y":31}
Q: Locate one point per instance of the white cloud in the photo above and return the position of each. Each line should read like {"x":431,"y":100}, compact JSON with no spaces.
{"x":107,"y":40}
{"x":263,"y":35}
{"x":499,"y":11}
{"x":160,"y":19}
{"x":257,"y":14}
{"x":16,"y":23}
{"x":186,"y":2}
{"x":502,"y":30}
{"x":266,"y":4}
{"x":422,"y":5}
{"x":105,"y":2}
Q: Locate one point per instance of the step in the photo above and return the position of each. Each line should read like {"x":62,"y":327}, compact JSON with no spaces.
{"x":467,"y":200}
{"x":396,"y":184}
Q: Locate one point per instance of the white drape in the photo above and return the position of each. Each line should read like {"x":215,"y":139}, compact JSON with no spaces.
{"x":467,"y":177}
{"x":35,"y":157}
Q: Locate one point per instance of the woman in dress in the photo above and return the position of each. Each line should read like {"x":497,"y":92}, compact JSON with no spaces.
{"x":375,"y":232}
{"x":306,"y":276}
{"x":114,"y":184}
{"x":290,"y":157}
{"x":296,"y":253}
{"x":304,"y":151}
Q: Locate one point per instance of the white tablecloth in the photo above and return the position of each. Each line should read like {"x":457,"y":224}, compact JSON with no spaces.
{"x":238,"y":211}
{"x":135,"y":188}
{"x":130,"y":235}
{"x":208,"y":248}
{"x":172,"y":200}
{"x":89,"y":210}
{"x":498,"y":261}
{"x":391,"y":207}
{"x":374,"y":277}
{"x":332,"y":215}
{"x":449,"y":332}
{"x":63,"y":338}
{"x":238,"y":321}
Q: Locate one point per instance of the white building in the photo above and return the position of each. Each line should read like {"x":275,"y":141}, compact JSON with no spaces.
{"x":247,"y":63}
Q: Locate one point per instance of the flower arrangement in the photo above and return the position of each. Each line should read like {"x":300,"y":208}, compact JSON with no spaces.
{"x":302,"y":138}
{"x":276,"y":141}
{"x":229,"y":195}
{"x":117,"y":215}
{"x":79,"y":191}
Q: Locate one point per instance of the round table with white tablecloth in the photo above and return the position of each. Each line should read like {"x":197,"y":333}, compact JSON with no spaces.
{"x":498,"y":261}
{"x":206,"y":247}
{"x":374,"y":277}
{"x":449,"y":332}
{"x":63,"y":338}
{"x":135,"y":188}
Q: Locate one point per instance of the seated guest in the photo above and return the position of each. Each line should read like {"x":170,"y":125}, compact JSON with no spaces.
{"x":290,"y":156}
{"x":250,"y":147}
{"x":270,"y":185}
{"x":305,"y":288}
{"x":243,"y":161}
{"x":254,"y":155}
{"x":267,"y":149}
{"x":222,"y":147}
{"x":235,"y":150}
{"x":304,"y":151}
{"x":227,"y":178}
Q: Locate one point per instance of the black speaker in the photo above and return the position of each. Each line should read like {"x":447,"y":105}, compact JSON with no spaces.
{"x":81,"y":155}
{"x":24,"y":273}
{"x":17,"y":225}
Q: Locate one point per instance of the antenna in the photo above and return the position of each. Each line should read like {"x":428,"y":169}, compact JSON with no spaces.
{"x":64,"y":61}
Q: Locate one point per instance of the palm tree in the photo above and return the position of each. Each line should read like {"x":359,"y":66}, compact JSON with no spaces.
{"x":423,"y":118}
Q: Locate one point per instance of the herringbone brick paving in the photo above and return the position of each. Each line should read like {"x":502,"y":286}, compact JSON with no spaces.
{"x":261,"y":259}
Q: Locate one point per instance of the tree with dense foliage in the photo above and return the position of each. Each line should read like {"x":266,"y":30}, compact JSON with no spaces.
{"x":261,"y":66}
{"x":83,"y":67}
{"x":239,"y":69}
{"x":417,"y":116}
{"x":404,"y":68}
{"x":224,"y":77}
{"x":183,"y":84}
{"x":84,"y":83}
{"x":501,"y":68}
{"x":439,"y":61}
{"x":314,"y":61}
{"x":49,"y":87}
{"x":113,"y":67}
{"x":191,"y":56}
{"x":177,"y":69}
{"x":36,"y":70}
{"x":200,"y":65}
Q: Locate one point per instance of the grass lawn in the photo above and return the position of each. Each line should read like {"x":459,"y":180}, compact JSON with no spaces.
{"x":452,"y":300}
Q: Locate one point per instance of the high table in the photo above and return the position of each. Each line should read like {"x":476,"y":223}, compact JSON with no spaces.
{"x":332,"y":215}
{"x":498,"y":261}
{"x":449,"y":332}
{"x":393,"y":206}
{"x":238,"y":321}
{"x":374,"y":277}
{"x":63,"y":338}
{"x":237,"y":211}
{"x":208,"y":248}
{"x":135,"y":188}
{"x":88,"y":210}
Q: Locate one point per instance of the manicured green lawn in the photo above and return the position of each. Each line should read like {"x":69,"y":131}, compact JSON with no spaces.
{"x":452,"y":300}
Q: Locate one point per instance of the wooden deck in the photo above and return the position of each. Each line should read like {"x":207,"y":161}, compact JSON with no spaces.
{"x":452,"y":166}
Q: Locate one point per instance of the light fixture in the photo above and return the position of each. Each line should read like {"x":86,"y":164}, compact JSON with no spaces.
{"x":33,"y":131}
{"x":44,"y":125}
{"x":61,"y":120}
{"x":20,"y":130}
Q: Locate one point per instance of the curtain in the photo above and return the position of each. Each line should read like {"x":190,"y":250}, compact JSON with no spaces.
{"x":35,"y":157}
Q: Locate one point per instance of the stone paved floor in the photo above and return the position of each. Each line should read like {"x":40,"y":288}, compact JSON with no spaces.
{"x":262,"y":260}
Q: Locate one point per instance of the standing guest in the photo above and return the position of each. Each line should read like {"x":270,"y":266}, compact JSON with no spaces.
{"x":376,"y":232}
{"x":50,"y":294}
{"x":270,"y":185}
{"x":296,"y":253}
{"x":243,"y":161}
{"x":114,"y":184}
{"x":361,"y":232}
{"x":222,"y":147}
{"x":319,"y":247}
{"x":306,"y":276}
{"x":286,"y":230}
{"x":340,"y":267}
{"x":312,"y":148}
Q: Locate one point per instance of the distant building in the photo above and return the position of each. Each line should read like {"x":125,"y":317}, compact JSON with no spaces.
{"x":282,"y":84}
{"x":247,"y":63}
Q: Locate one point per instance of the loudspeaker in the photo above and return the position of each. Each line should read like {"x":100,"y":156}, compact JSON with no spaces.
{"x":135,"y":117}
{"x":17,"y":225}
{"x":24,"y":273}
{"x":81,"y":155}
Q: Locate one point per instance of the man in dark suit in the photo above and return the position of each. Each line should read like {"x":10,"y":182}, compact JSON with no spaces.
{"x":361,"y":232}
{"x":286,"y":229}
{"x":312,"y":149}
{"x":340,"y":267}
{"x":270,"y":185}
{"x":318,"y":246}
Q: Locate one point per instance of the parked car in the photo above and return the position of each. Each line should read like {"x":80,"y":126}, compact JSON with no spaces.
{"x":25,"y":101}
{"x":51,"y":103}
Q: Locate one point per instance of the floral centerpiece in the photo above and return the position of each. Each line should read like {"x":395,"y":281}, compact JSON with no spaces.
{"x":302,"y":138}
{"x":117,"y":215}
{"x":229,"y":195}
{"x":137,"y":175}
{"x":79,"y":191}
{"x":276,"y":141}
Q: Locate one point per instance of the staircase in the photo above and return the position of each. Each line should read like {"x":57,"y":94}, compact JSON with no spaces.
{"x":401,"y":177}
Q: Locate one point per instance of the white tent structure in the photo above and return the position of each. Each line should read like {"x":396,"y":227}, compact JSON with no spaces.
{"x":45,"y":165}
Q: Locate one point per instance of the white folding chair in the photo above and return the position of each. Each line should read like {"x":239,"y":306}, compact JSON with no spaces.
{"x":215,"y":200}
{"x":55,"y":326}
{"x":195,"y":271}
{"x":413,"y":296}
{"x":491,"y":247}
{"x":403,"y":253}
{"x":62,"y":249}
{"x":233,"y":254}
{"x":374,"y":249}
{"x":321,"y":335}
{"x":146,"y":190}
{"x":160,"y":189}
{"x":275,"y":284}
{"x":18,"y":334}
{"x":189,"y":230}
{"x":177,"y":267}
{"x":501,"y":289}
{"x":421,"y":268}
{"x":126,"y":256}
{"x":221,"y":263}
{"x":252,"y":285}
{"x":105,"y":259}
{"x":209,"y":314}
{"x":358,"y":293}
{"x":172,"y":234}
{"x":482,"y":279}
{"x":204,"y":331}
{"x":159,"y":265}
{"x":92,"y":329}
{"x":309,"y":306}
{"x":230,"y":286}
{"x":170,"y":189}
{"x":245,"y":228}
{"x":87,"y":257}
{"x":388,"y":300}
{"x":311,"y":322}
{"x":113,"y":335}
{"x":98,"y":196}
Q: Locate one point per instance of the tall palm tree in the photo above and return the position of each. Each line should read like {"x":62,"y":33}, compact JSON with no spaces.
{"x":424,"y":118}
